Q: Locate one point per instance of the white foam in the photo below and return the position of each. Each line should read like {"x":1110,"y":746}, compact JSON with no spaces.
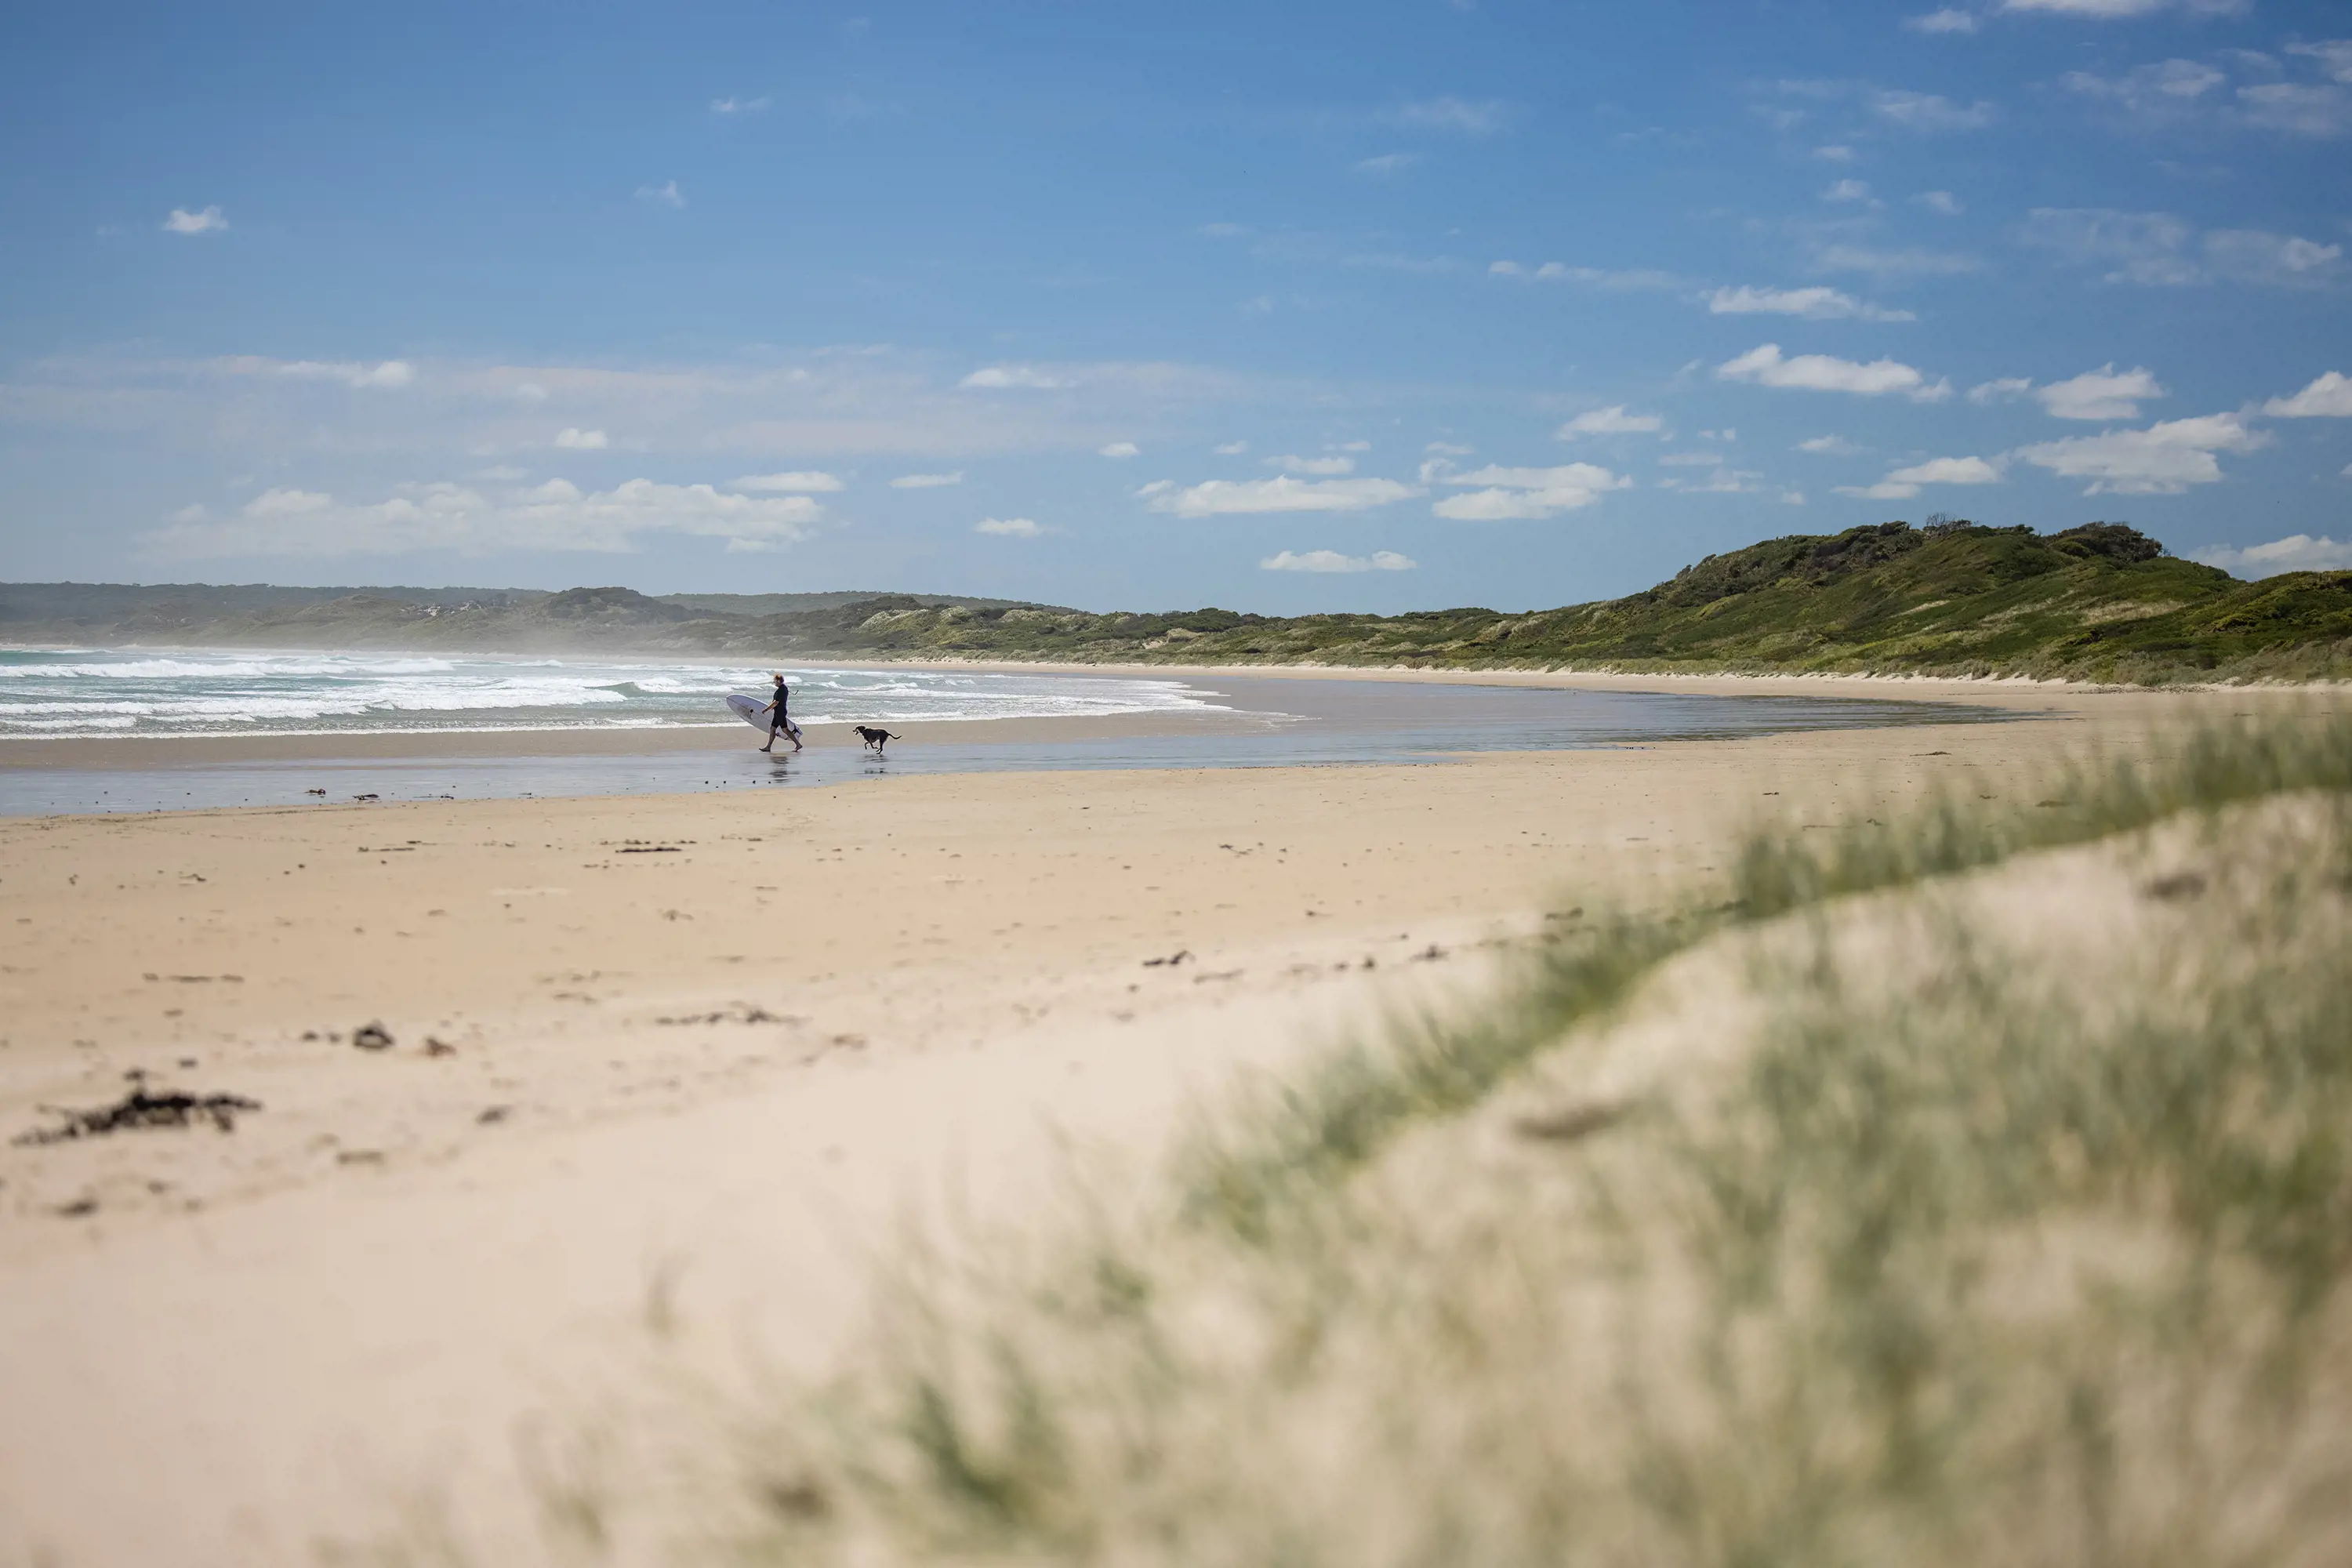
{"x":98,"y":691}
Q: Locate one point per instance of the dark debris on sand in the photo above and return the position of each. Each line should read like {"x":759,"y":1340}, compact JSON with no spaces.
{"x":143,"y":1108}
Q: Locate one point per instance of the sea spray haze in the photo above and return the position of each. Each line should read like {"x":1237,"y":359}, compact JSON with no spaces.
{"x":84,"y":691}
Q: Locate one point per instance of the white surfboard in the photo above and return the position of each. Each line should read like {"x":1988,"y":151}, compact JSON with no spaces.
{"x":753,"y":712}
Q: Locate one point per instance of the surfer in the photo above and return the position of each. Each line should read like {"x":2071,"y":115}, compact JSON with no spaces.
{"x":778,"y":722}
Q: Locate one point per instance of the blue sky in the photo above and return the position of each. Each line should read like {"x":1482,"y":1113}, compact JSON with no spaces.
{"x":1283,"y":308}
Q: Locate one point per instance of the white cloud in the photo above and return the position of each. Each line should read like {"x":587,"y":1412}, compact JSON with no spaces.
{"x":2143,"y":245}
{"x":1231,"y":449}
{"x":926,"y":481}
{"x":1220,"y":498}
{"x":999,"y":377}
{"x":2253,"y":255}
{"x":1320,"y":467}
{"x":1719,"y":482}
{"x":806,"y":482}
{"x":2297,"y":108}
{"x":181,"y":221}
{"x":1119,"y":449}
{"x":2152,"y":93}
{"x":1690,"y":459}
{"x":2334,"y":55}
{"x":1597,"y":277}
{"x":725,"y":106}
{"x":555,"y":516}
{"x":1512,"y":493}
{"x":1815,"y":304}
{"x":1352,"y":447}
{"x":1831,"y":447}
{"x":2109,"y":10}
{"x":2295,"y":552}
{"x":576,"y":440}
{"x":1766,"y":366}
{"x":1332,"y":561}
{"x":1987,"y":392}
{"x":1947,"y":20}
{"x":1834,"y":153}
{"x":391,"y":373}
{"x":2160,"y":249}
{"x":2163,"y":460}
{"x":2329,"y":397}
{"x":667,"y":195}
{"x":1386,"y":163}
{"x":531,"y":391}
{"x":1886,"y":489}
{"x":1008,"y":527}
{"x":1926,"y":111}
{"x":888,"y":410}
{"x":1448,"y":449}
{"x":2101,"y":394}
{"x":1940,"y":201}
{"x":1453,"y":115}
{"x":1948,"y":471}
{"x":501,"y":473}
{"x":1847,"y":191}
{"x":1910,"y":261}
{"x":1610,"y":421}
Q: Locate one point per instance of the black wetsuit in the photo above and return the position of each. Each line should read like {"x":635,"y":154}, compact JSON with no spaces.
{"x":778,"y":723}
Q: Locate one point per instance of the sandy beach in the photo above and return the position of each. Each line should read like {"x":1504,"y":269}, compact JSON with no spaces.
{"x":687,"y":1062}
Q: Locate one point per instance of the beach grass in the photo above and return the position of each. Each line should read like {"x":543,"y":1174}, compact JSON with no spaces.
{"x":1977,"y":1231}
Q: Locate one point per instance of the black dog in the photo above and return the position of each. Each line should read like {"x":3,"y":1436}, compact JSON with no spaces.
{"x":874,"y":737}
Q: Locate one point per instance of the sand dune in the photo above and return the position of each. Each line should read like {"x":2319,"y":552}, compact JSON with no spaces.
{"x":697,"y":1057}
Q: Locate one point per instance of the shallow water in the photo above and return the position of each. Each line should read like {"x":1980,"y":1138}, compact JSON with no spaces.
{"x":1241,"y":722}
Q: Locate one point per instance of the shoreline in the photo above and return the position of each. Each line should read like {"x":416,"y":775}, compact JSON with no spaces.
{"x":109,"y":754}
{"x":1283,"y":704}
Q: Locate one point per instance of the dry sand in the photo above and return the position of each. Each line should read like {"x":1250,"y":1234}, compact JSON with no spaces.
{"x":704,"y":1053}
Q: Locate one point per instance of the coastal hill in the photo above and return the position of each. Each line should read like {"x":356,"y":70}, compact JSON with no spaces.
{"x":2100,"y":602}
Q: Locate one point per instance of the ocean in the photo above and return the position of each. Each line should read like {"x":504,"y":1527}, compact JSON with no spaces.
{"x":57,"y":693}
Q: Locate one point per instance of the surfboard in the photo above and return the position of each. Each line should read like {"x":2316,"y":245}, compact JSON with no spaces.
{"x":754,"y":710}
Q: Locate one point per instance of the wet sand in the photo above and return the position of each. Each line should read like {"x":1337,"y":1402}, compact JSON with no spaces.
{"x":698,"y":1055}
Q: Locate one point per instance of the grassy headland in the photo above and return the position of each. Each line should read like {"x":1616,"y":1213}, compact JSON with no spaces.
{"x":2102,"y":601}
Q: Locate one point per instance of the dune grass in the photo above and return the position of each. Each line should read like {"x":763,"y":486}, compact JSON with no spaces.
{"x":1982,"y":1246}
{"x":1347,"y":1107}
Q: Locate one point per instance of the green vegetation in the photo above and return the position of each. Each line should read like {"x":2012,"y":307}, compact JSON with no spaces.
{"x":1974,"y":1186}
{"x":2101,"y":601}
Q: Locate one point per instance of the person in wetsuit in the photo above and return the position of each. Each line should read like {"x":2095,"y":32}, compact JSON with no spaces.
{"x":779,"y":722}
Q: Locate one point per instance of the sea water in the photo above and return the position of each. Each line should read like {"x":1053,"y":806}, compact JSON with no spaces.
{"x":54,"y":692}
{"x":1208,"y":720}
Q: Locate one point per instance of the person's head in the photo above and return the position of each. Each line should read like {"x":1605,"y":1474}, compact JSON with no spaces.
{"x":777,"y":678}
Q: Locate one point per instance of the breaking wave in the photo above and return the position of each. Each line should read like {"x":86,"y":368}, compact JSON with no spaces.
{"x":86,"y":691}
